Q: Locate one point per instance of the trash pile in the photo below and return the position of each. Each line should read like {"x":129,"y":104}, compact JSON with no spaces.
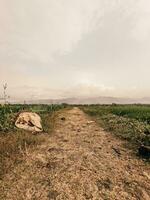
{"x":29,"y":121}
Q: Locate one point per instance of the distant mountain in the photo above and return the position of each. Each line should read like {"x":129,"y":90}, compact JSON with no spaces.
{"x":93,"y":100}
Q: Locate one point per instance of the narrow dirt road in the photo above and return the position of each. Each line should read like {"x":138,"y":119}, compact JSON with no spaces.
{"x":79,"y":161}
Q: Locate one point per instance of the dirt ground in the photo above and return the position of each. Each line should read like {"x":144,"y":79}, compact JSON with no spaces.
{"x":79,"y":161}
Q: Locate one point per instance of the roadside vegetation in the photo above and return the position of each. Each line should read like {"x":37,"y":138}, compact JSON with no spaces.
{"x":15,"y":142}
{"x":129,"y":122}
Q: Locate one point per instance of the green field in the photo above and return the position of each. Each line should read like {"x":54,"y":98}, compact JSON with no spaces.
{"x":130,"y":122}
{"x":139,"y":112}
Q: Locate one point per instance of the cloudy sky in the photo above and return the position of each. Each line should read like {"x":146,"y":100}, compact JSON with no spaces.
{"x":66,"y":48}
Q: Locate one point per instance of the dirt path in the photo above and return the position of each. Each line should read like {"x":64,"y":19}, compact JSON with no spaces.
{"x":79,"y":161}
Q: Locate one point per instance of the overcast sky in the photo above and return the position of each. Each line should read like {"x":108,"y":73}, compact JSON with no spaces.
{"x":65,"y":48}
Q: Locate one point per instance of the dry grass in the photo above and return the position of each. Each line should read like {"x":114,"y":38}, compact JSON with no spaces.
{"x":15,"y":144}
{"x":79,"y":161}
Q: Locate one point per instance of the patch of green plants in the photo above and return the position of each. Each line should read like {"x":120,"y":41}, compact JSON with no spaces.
{"x":129,"y":122}
{"x":6,"y":118}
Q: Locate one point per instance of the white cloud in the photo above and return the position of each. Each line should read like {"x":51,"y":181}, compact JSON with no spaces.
{"x":99,"y":41}
{"x":141,"y":28}
{"x":36,"y":29}
{"x":80,"y":90}
{"x":39,"y":28}
{"x":86,"y":89}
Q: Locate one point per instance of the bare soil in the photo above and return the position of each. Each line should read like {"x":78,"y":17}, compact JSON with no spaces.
{"x":78,"y":161}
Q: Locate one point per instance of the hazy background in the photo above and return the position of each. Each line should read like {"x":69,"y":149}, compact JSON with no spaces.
{"x":67,"y":48}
